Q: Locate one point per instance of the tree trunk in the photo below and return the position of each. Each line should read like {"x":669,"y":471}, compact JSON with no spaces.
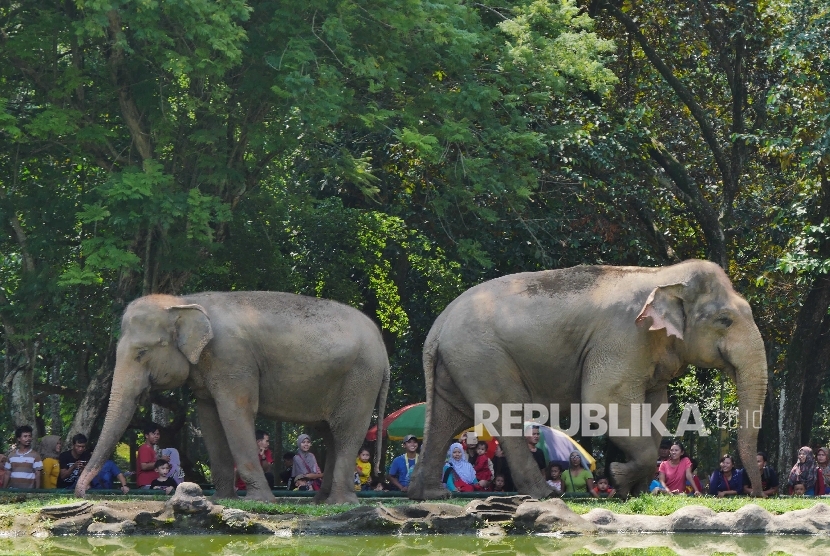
{"x":800,"y":361}
{"x":19,"y":379}
{"x":96,"y":398}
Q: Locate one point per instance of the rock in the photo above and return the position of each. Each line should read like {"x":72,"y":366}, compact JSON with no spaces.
{"x":188,"y":499}
{"x":107,"y":529}
{"x":236,"y":518}
{"x":496,"y":508}
{"x":455,"y":524}
{"x":550,"y":516}
{"x":65,"y":510}
{"x":607,"y":521}
{"x":695,"y":519}
{"x":424,"y":510}
{"x":802,"y":522}
{"x":752,"y":518}
{"x":70,"y":525}
{"x":364,"y":520}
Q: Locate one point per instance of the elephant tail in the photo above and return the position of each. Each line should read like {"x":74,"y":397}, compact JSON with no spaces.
{"x":384,"y":391}
{"x":430,"y":359}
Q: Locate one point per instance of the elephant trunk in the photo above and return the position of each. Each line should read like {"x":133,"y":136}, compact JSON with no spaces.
{"x":127,"y":388}
{"x":750,"y":365}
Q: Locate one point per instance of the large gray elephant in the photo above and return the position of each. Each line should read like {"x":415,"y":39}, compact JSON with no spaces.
{"x":588,"y":334}
{"x":283,"y":356}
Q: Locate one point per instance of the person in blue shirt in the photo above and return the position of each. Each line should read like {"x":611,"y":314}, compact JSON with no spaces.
{"x":105,"y":478}
{"x":402,"y":466}
{"x":728,"y":481}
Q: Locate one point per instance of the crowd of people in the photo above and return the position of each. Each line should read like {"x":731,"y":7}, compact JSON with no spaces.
{"x":471,"y":465}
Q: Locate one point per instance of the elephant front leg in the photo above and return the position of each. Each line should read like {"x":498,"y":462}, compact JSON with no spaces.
{"x":237,"y":422}
{"x":219,"y":452}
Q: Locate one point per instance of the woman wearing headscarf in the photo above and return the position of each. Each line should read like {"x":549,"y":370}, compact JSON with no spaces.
{"x":50,"y":451}
{"x":459,"y":475}
{"x":305,"y":466}
{"x":823,"y":463}
{"x":806,"y":472}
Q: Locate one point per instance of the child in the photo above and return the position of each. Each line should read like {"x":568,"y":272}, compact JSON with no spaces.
{"x":482,"y":466}
{"x":498,"y":483}
{"x":655,"y":487}
{"x":555,"y":480}
{"x":163,"y":482}
{"x":799,"y":489}
{"x":363,"y":470}
{"x":603,"y":488}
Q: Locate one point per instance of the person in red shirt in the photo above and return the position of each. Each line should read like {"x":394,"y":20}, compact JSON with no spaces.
{"x":266,"y":460}
{"x":145,"y":471}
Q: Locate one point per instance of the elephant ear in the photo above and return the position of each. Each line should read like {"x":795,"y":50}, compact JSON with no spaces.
{"x":665,"y":307}
{"x":193,"y":330}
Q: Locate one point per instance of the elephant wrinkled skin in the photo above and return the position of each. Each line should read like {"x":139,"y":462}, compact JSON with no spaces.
{"x":588,"y":334}
{"x":283,"y":356}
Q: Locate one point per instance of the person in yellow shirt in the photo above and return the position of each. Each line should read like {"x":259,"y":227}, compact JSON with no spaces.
{"x":363,"y":471}
{"x":50,"y":448}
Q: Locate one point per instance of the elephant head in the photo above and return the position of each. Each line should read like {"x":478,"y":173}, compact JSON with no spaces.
{"x":160,"y":340}
{"x":715,"y":329}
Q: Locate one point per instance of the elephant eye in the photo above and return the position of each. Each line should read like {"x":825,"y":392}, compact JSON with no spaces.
{"x":724,"y":321}
{"x":140,"y":354}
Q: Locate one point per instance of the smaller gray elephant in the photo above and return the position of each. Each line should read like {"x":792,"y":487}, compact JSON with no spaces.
{"x":283,"y":356}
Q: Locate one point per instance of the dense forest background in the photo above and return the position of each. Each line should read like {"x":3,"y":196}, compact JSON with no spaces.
{"x":390,"y":154}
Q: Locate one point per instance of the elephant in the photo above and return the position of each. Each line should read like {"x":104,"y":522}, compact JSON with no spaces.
{"x":280,"y":355}
{"x":587,"y":334}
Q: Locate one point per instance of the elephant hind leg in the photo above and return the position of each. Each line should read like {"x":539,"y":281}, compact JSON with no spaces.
{"x":446,"y":421}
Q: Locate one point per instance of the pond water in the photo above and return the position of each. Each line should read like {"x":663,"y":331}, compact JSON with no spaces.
{"x":406,"y":545}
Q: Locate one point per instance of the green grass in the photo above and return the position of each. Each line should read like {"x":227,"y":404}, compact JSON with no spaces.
{"x":23,"y":504}
{"x":648,"y":504}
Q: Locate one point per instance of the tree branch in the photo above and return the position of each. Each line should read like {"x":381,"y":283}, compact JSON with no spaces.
{"x":680,"y":90}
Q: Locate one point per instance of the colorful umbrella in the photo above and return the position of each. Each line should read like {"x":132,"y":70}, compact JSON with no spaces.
{"x":557,"y":446}
{"x":406,"y":420}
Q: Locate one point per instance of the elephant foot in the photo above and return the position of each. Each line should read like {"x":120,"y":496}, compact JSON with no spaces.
{"x":261,"y":496}
{"x":336,"y":498}
{"x":625,"y":480}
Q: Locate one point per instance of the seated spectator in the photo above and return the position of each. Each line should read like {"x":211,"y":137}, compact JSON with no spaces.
{"x":50,"y":451}
{"x":163,"y":482}
{"x":823,"y":463}
{"x":806,"y":471}
{"x":483,"y":466}
{"x":676,"y":471}
{"x":769,"y":477}
{"x":576,"y":478}
{"x":266,"y":461}
{"x":656,"y":487}
{"x":694,"y":484}
{"x":603,"y":488}
{"x":532,"y":437}
{"x":799,"y":489}
{"x":555,"y":477}
{"x":287,"y":463}
{"x":305,"y":466}
{"x":72,"y":462}
{"x":107,"y":476}
{"x":146,"y":460}
{"x":3,"y":472}
{"x":500,"y":467}
{"x":23,"y":466}
{"x":498,"y":483}
{"x":663,"y":452}
{"x":176,"y":471}
{"x":727,"y":481}
{"x":400,"y":472}
{"x":363,"y":470}
{"x":458,"y":475}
